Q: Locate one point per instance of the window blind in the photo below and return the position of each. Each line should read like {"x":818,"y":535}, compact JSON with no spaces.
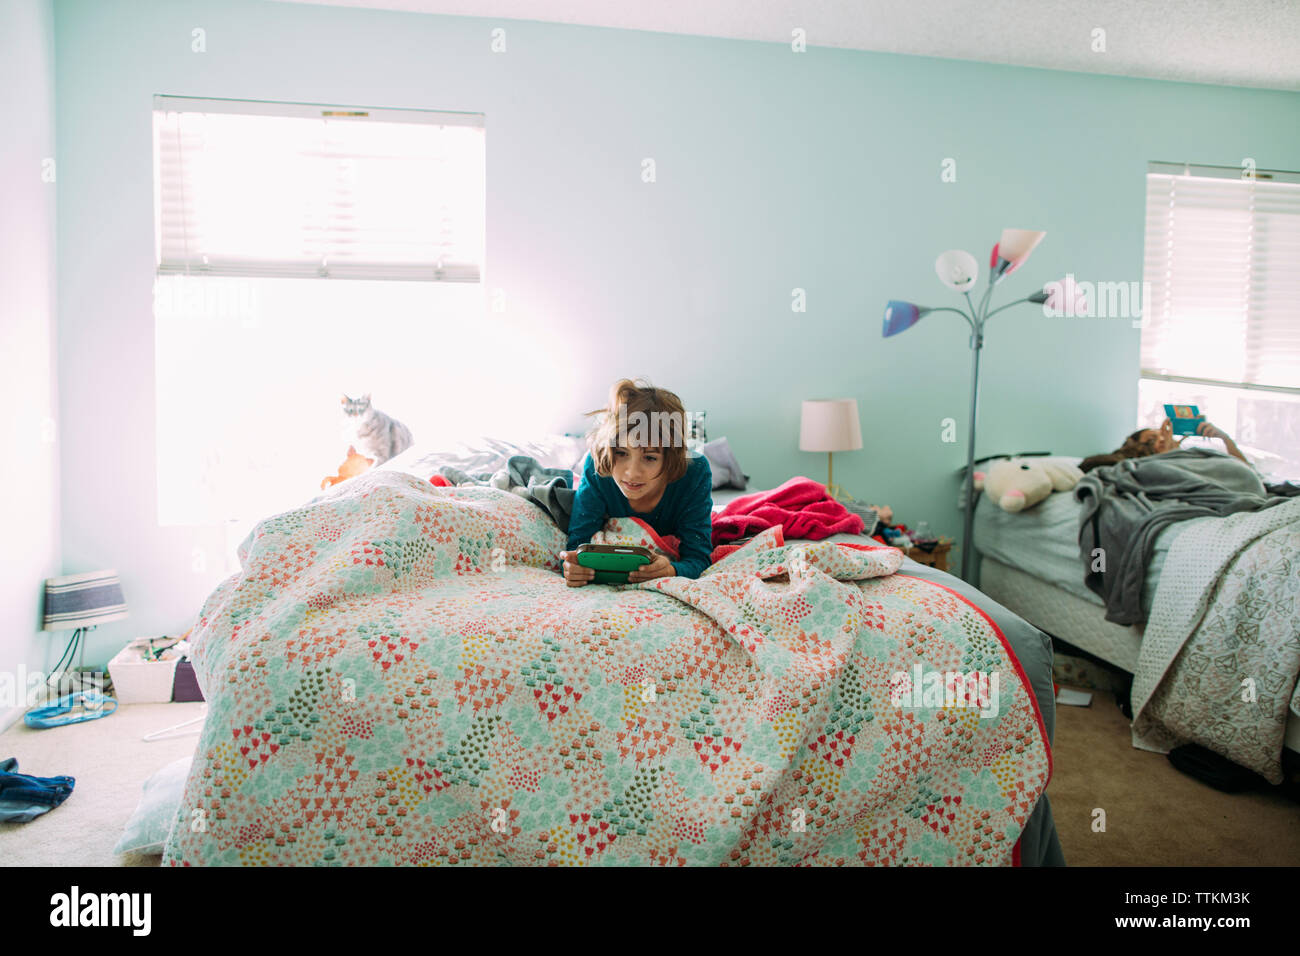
{"x":246,"y":188}
{"x":1222,"y":277}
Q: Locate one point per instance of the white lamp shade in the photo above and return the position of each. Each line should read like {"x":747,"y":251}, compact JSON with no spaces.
{"x":830,"y":424}
{"x":957,"y":268}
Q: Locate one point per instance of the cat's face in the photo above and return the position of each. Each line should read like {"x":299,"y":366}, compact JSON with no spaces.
{"x":356,"y":406}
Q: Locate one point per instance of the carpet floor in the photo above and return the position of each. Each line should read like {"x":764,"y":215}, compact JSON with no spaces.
{"x":110,"y":762}
{"x":1155,"y":815}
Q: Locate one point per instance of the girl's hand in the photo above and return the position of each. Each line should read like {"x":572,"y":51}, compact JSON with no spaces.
{"x":1206,"y":430}
{"x":575,"y":575}
{"x":658,"y":568}
{"x":1166,"y":441}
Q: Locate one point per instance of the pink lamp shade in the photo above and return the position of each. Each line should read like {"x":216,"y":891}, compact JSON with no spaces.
{"x":1016,"y":245}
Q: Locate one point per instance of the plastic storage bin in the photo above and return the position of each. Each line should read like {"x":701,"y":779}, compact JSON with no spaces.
{"x":137,"y":681}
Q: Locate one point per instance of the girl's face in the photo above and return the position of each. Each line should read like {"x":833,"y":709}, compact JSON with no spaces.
{"x":639,"y":472}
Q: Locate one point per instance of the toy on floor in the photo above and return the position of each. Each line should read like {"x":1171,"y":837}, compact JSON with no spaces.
{"x":1020,"y":483}
{"x":352,"y":466}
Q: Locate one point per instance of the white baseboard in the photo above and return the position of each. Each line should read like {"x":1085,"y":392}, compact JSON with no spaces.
{"x":11,"y":717}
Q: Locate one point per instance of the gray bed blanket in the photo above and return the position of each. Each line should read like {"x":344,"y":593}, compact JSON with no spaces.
{"x":1127,"y":505}
{"x":548,"y":488}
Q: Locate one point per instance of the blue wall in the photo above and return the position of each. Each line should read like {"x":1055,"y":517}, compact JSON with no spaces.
{"x":775,"y":171}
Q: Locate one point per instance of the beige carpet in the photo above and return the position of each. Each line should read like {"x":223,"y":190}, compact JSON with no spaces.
{"x":1154,"y":814}
{"x":110,"y":763}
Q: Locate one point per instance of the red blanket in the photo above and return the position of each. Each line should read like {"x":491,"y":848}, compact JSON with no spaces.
{"x":801,"y":507}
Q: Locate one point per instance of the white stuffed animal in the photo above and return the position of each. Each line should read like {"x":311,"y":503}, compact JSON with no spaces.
{"x":1020,"y":483}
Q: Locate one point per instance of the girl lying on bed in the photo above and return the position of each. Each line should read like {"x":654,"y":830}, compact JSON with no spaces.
{"x":1154,"y":441}
{"x":638,"y":465}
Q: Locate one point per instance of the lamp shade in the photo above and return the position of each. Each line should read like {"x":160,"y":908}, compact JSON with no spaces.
{"x":1016,"y":245}
{"x":830,"y":424}
{"x":899,"y":317}
{"x":957,"y":269}
{"x":83,"y":600}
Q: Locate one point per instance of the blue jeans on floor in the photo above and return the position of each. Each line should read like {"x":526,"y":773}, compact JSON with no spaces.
{"x":24,"y":798}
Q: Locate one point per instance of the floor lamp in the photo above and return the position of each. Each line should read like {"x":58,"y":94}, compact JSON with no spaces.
{"x":959,"y":271}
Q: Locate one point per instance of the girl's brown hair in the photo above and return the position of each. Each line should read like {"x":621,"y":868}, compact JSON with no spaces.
{"x":1135,"y":446}
{"x":664,"y":416}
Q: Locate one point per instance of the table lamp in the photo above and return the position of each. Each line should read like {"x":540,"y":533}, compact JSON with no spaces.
{"x":830,"y":425}
{"x":82,"y":601}
{"x":959,"y":271}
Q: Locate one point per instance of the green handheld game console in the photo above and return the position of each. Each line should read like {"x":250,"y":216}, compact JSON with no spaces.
{"x":612,"y":562}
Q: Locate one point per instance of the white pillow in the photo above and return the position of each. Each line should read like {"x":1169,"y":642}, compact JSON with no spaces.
{"x":151,"y":824}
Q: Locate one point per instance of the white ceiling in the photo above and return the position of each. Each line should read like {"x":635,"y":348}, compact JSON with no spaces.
{"x":1233,"y":42}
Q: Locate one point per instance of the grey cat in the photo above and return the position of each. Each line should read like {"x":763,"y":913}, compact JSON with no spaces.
{"x":377,"y":435}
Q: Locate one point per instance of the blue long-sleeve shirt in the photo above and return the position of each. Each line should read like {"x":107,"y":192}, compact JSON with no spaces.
{"x":684,"y":510}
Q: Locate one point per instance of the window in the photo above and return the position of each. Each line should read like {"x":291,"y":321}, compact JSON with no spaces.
{"x":256,"y":204}
{"x":246,"y":188}
{"x":1222,"y":313}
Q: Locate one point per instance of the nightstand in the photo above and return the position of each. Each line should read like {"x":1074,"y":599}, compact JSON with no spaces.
{"x":936,"y":558}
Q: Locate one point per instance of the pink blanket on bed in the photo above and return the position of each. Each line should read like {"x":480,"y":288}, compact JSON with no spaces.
{"x":801,"y":507}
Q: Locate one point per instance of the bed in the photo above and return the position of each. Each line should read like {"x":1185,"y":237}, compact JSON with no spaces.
{"x":398,"y":675}
{"x":1030,"y":562}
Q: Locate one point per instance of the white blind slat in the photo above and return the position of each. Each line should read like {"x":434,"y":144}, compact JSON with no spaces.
{"x":1222,"y":270}
{"x":262,"y":189}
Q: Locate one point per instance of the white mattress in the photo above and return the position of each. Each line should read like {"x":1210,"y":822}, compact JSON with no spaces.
{"x":1070,"y":618}
{"x":1061,"y":613}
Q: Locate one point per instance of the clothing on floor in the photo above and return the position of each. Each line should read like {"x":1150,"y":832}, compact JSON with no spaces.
{"x":23,"y":797}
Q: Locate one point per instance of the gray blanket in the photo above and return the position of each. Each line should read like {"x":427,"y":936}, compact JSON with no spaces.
{"x":548,"y":488}
{"x":1127,"y":505}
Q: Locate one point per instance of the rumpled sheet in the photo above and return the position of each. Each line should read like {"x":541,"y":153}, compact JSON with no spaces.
{"x":400,"y":675}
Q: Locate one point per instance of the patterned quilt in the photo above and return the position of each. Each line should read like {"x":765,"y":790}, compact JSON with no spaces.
{"x":400,"y":675}
{"x":1221,"y":651}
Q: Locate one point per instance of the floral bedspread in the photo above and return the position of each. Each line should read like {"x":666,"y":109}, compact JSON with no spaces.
{"x":400,"y":675}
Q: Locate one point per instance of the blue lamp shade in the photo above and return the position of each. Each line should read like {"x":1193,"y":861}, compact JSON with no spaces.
{"x":899,"y":317}
{"x":83,"y":600}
